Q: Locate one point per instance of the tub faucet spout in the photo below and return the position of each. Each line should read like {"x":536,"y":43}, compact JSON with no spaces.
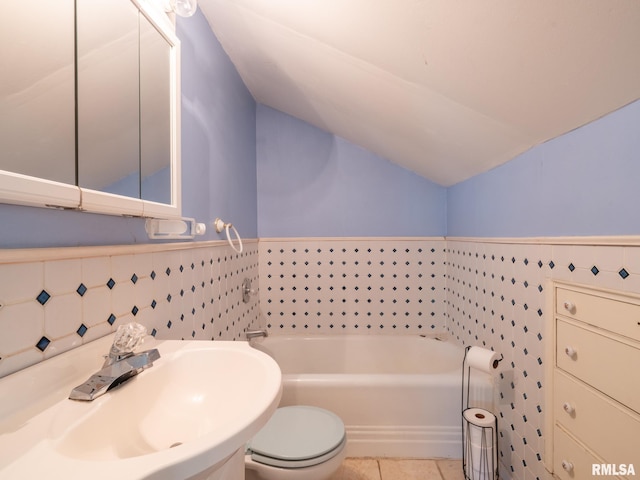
{"x":256,"y":333}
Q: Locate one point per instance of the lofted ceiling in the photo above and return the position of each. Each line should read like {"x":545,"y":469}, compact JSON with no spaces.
{"x":447,"y":89}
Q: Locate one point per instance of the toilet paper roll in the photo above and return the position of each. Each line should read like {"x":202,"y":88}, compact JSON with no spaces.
{"x":479,"y":418}
{"x":483,"y":359}
{"x":480,"y":442}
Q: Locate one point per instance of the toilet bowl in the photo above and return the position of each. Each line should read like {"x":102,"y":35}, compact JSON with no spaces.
{"x":298,"y":442}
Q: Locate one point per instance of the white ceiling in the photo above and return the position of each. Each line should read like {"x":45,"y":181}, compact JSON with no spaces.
{"x":447,"y":89}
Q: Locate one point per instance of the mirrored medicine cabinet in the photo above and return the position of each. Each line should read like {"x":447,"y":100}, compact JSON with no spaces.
{"x":89,"y":106}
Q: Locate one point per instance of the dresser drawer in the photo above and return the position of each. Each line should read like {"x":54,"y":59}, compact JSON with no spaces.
{"x":616,"y":316}
{"x":611,"y":366}
{"x":596,"y":420}
{"x":571,"y":460}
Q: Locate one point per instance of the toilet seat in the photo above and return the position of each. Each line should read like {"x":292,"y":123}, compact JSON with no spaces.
{"x":298,"y":436}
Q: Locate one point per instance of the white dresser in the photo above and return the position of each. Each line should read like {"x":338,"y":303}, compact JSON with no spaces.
{"x":595,"y":393}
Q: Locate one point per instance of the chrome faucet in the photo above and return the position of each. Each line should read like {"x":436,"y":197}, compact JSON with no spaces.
{"x":256,"y":333}
{"x":116,"y":370}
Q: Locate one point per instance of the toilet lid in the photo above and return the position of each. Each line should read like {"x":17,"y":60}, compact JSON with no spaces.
{"x":298,"y":434}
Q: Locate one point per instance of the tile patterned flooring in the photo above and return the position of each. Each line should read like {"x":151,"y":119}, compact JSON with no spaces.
{"x":399,"y":469}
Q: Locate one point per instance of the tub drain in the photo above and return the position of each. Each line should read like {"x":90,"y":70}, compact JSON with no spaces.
{"x":175,"y":444}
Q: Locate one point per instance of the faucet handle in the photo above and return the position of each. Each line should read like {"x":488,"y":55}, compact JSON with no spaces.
{"x":128,"y":337}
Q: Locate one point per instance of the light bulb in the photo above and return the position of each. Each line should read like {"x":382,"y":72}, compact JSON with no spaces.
{"x":184,"y":8}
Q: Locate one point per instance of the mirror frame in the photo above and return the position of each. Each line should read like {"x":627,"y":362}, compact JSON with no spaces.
{"x":21,"y":189}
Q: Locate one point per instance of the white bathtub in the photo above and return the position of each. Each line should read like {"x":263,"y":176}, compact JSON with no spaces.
{"x":399,"y":396}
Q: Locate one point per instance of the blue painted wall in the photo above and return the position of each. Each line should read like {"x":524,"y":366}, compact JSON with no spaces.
{"x":218,"y":159}
{"x":582,"y":183}
{"x":218,"y":133}
{"x":314,"y":184}
{"x":275,"y":176}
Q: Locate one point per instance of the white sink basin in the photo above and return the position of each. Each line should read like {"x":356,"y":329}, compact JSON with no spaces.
{"x":197,"y":405}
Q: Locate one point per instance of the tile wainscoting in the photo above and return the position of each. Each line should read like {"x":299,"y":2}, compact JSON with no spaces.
{"x":496,"y":295}
{"x":52,"y":300}
{"x":353,"y":285}
{"x":488,"y":292}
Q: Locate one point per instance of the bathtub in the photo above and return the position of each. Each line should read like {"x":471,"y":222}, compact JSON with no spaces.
{"x":399,"y":396}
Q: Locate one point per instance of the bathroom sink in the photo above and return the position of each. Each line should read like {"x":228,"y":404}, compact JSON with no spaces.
{"x":197,"y":405}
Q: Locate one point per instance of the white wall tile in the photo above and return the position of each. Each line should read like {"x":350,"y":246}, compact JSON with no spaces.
{"x":122,"y":267}
{"x":61,"y":345}
{"x":65,"y":309}
{"x":339,"y":286}
{"x":62,"y":276}
{"x":62,"y":315}
{"x":96,"y":305}
{"x":22,"y":326}
{"x":122,"y":297}
{"x":20,"y":282}
{"x":96,"y":271}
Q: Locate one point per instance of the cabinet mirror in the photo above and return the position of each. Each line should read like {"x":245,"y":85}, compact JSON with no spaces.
{"x":37,"y":98}
{"x":88,"y":106}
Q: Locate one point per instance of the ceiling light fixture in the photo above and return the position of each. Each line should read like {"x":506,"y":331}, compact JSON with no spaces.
{"x":184,"y":8}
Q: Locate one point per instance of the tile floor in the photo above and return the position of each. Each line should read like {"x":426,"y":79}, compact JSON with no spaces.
{"x":399,"y":469}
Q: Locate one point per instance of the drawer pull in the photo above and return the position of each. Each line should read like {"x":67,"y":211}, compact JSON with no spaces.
{"x":567,"y":407}
{"x":570,"y":351}
{"x":567,"y":466}
{"x":569,"y":307}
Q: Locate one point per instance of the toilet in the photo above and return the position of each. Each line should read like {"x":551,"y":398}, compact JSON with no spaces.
{"x":298,"y":443}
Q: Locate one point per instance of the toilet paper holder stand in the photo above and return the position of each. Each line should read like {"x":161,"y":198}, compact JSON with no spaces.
{"x":479,"y":460}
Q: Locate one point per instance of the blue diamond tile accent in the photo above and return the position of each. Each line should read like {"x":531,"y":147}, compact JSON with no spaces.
{"x":134,"y":310}
{"x":169,"y":298}
{"x":43,"y":343}
{"x":43,"y":297}
{"x":134,"y":278}
{"x":595,"y":270}
{"x":111,"y":319}
{"x":169,"y":324}
{"x":81,"y":290}
{"x":153,"y":275}
{"x":153,"y":304}
{"x":551,"y":264}
{"x":154,"y":332}
{"x":111,"y":283}
{"x":168,"y":271}
{"x":571,"y":267}
{"x":82,"y":330}
{"x":623,"y":273}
